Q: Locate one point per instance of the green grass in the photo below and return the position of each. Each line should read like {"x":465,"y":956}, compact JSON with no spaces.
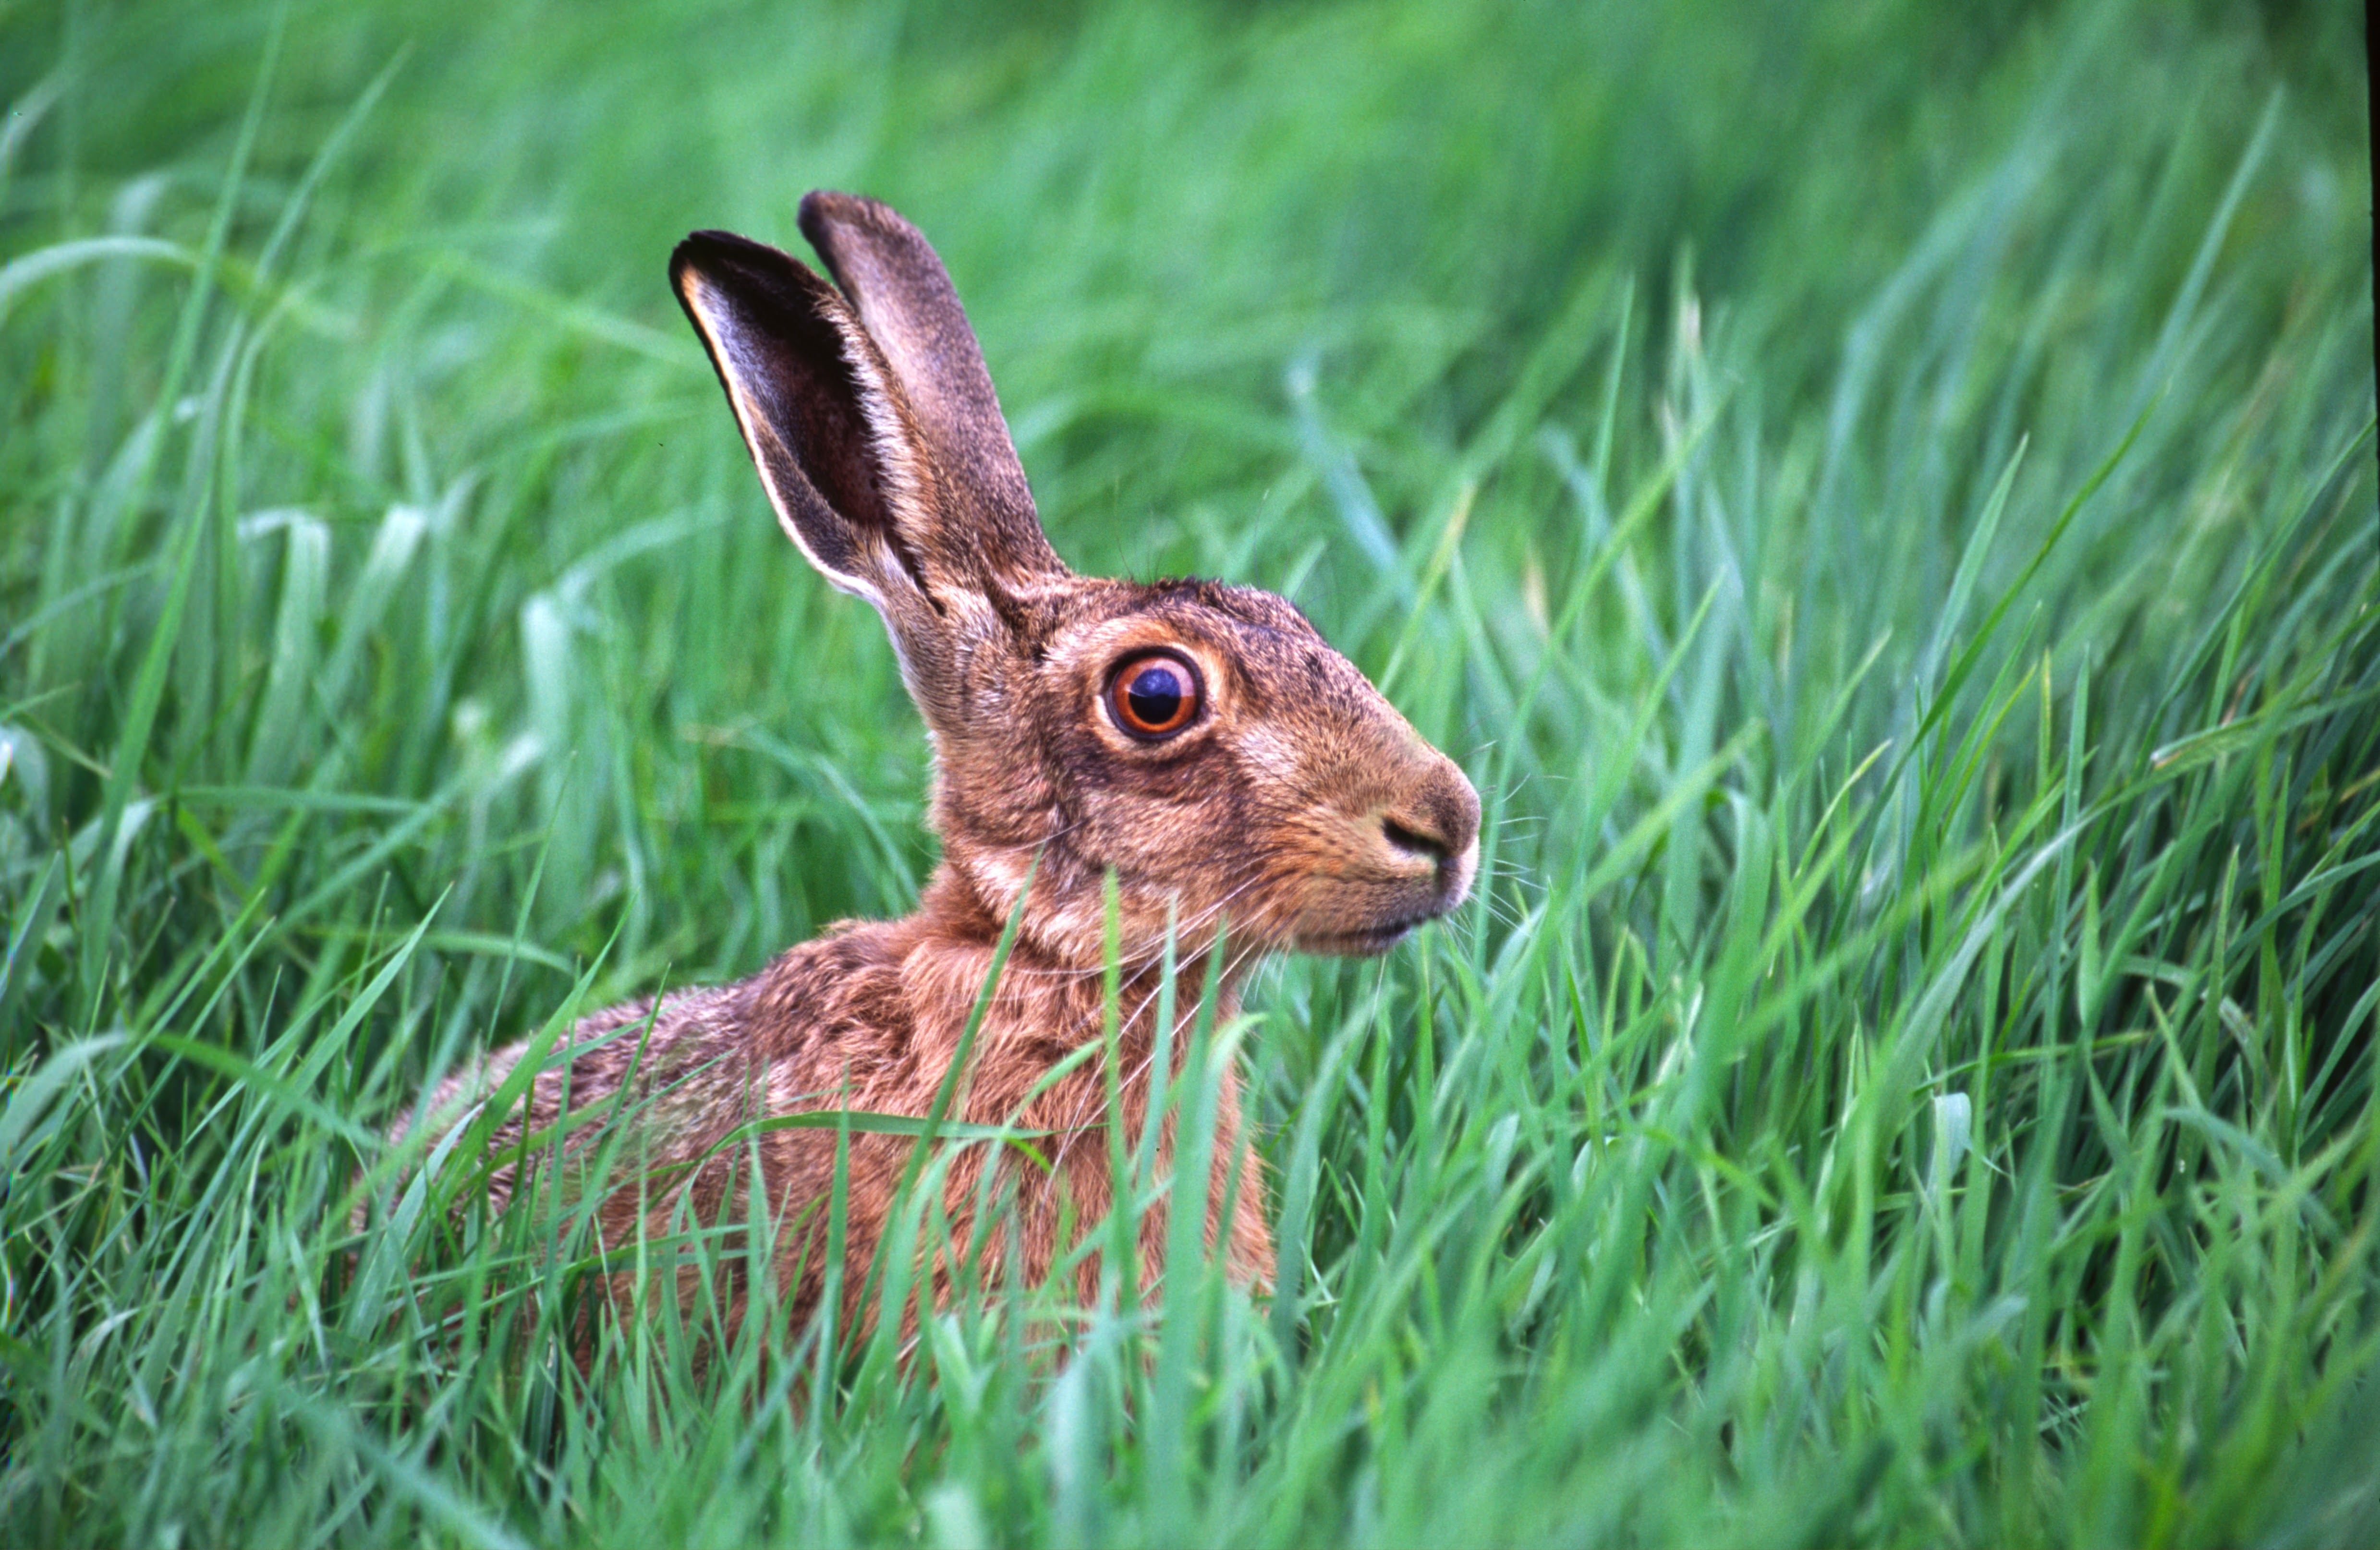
{"x":1884,"y":509}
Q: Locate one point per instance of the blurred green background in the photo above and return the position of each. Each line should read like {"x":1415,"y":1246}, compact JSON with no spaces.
{"x":1878,"y":496}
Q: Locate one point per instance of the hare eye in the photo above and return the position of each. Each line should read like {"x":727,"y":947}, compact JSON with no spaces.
{"x":1153,"y":695}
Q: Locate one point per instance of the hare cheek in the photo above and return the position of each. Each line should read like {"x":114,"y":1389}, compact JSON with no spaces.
{"x":1266,"y":757}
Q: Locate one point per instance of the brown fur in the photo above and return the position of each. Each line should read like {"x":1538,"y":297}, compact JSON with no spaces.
{"x":1297,"y":810}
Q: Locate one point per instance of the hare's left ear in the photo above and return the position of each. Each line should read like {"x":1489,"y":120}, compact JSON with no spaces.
{"x":904,"y":298}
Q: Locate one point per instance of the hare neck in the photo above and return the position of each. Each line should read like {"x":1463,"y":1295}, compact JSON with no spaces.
{"x":953,"y":912}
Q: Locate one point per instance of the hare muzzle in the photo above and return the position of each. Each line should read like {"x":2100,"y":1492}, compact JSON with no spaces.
{"x":1394,"y":863}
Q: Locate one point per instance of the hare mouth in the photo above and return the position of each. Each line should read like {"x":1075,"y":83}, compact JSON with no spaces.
{"x":1365,"y":941}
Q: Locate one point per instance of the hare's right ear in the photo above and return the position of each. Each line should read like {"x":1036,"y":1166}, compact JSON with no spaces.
{"x":827,"y":427}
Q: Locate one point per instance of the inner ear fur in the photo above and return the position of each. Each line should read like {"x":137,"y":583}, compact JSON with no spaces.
{"x":833,"y":442}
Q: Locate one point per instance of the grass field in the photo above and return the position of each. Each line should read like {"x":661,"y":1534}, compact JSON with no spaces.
{"x":1879,"y":498}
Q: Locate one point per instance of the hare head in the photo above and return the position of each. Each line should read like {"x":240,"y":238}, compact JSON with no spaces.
{"x":1200,"y":741}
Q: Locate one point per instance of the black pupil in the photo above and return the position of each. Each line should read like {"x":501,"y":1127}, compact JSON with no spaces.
{"x":1154,"y":694}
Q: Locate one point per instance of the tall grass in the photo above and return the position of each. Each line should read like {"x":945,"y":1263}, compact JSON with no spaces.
{"x":1882,"y":505}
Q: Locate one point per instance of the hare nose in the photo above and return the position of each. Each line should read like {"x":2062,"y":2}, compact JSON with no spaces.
{"x":1438,"y":822}
{"x":1413,"y":841}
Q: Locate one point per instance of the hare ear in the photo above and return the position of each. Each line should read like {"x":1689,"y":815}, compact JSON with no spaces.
{"x":833,"y":442}
{"x":905,"y":297}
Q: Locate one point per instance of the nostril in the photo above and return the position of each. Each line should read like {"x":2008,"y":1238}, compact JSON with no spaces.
{"x":1412,"y":841}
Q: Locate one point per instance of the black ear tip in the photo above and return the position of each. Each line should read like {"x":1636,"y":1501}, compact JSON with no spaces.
{"x":698,"y":251}
{"x":706,"y":249}
{"x":742,"y":267}
{"x":825,"y":212}
{"x":819,"y":207}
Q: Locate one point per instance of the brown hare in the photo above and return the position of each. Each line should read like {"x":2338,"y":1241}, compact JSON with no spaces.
{"x":1240,"y":780}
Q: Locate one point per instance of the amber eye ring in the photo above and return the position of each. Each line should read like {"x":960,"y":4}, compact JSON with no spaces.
{"x":1153,"y":695}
